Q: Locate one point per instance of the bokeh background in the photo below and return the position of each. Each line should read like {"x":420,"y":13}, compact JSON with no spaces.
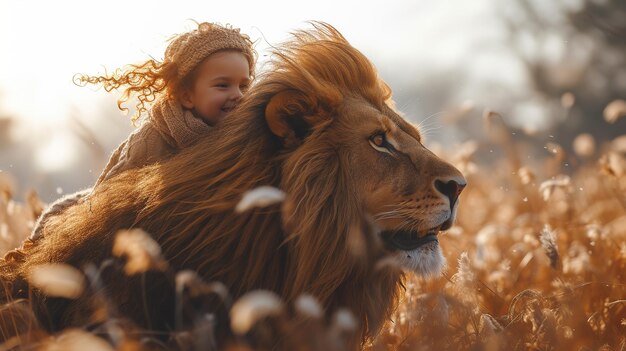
{"x":548,"y":68}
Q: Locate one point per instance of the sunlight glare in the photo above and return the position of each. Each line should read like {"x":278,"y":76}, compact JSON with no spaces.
{"x":58,"y":153}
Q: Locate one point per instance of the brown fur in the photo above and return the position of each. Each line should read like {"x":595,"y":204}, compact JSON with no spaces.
{"x":319,"y":87}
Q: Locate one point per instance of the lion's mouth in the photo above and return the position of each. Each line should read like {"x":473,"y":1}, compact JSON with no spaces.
{"x":408,"y":240}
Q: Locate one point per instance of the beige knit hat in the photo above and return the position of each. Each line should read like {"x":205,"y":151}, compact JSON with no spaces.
{"x":187,"y":50}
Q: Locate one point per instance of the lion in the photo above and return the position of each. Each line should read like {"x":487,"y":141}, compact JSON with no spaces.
{"x":318,"y":125}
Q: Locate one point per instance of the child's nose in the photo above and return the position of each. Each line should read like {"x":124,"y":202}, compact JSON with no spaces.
{"x":237,"y":94}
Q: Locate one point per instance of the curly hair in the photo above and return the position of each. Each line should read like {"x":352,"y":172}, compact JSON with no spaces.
{"x":146,"y":81}
{"x":152,"y":78}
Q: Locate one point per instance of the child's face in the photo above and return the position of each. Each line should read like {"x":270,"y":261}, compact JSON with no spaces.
{"x":222,"y":79}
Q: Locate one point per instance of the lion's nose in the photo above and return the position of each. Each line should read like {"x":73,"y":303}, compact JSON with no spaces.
{"x":450,"y":188}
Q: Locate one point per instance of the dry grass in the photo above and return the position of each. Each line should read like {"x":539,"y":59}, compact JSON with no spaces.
{"x":537,"y":261}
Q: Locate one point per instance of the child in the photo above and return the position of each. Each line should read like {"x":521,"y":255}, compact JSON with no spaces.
{"x":202,"y":77}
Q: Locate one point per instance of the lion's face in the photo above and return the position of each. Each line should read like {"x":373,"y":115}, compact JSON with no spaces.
{"x":332,"y":104}
{"x":410,"y":193}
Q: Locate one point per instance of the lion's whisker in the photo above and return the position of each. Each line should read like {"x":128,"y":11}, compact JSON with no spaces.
{"x":419,"y":125}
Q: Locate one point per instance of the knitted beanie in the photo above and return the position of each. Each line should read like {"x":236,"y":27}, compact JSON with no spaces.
{"x":187,"y":50}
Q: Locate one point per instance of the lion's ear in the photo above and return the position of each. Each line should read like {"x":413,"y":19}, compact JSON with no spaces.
{"x":290,"y":115}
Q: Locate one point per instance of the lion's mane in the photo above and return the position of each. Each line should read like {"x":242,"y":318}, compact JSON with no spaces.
{"x":187,"y":204}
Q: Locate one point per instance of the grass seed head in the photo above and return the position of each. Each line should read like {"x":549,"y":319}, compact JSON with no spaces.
{"x":251,"y":308}
{"x":308,"y":305}
{"x":58,"y":280}
{"x":584,"y":145}
{"x":343,"y":320}
{"x":547,"y":188}
{"x":262,"y":196}
{"x":614,"y":111}
{"x":141,"y":251}
{"x":547,"y":237}
{"x":76,"y":340}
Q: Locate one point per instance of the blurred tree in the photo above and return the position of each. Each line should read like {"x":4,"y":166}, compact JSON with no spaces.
{"x":575,"y":55}
{"x":5,"y":127}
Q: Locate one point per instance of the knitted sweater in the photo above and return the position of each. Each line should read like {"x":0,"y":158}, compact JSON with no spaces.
{"x":168,"y":130}
{"x":144,"y":146}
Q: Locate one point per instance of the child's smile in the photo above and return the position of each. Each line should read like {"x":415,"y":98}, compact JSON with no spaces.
{"x":222,"y":79}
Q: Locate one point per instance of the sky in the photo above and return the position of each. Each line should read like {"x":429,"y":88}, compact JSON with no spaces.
{"x":45,"y":43}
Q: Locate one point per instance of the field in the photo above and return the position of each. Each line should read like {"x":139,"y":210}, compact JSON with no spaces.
{"x":536,"y":261}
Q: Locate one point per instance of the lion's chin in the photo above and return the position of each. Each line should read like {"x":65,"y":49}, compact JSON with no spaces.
{"x":426,"y":260}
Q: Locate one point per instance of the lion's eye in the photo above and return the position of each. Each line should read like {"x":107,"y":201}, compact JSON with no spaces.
{"x":379,"y":140}
{"x":380,"y":143}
